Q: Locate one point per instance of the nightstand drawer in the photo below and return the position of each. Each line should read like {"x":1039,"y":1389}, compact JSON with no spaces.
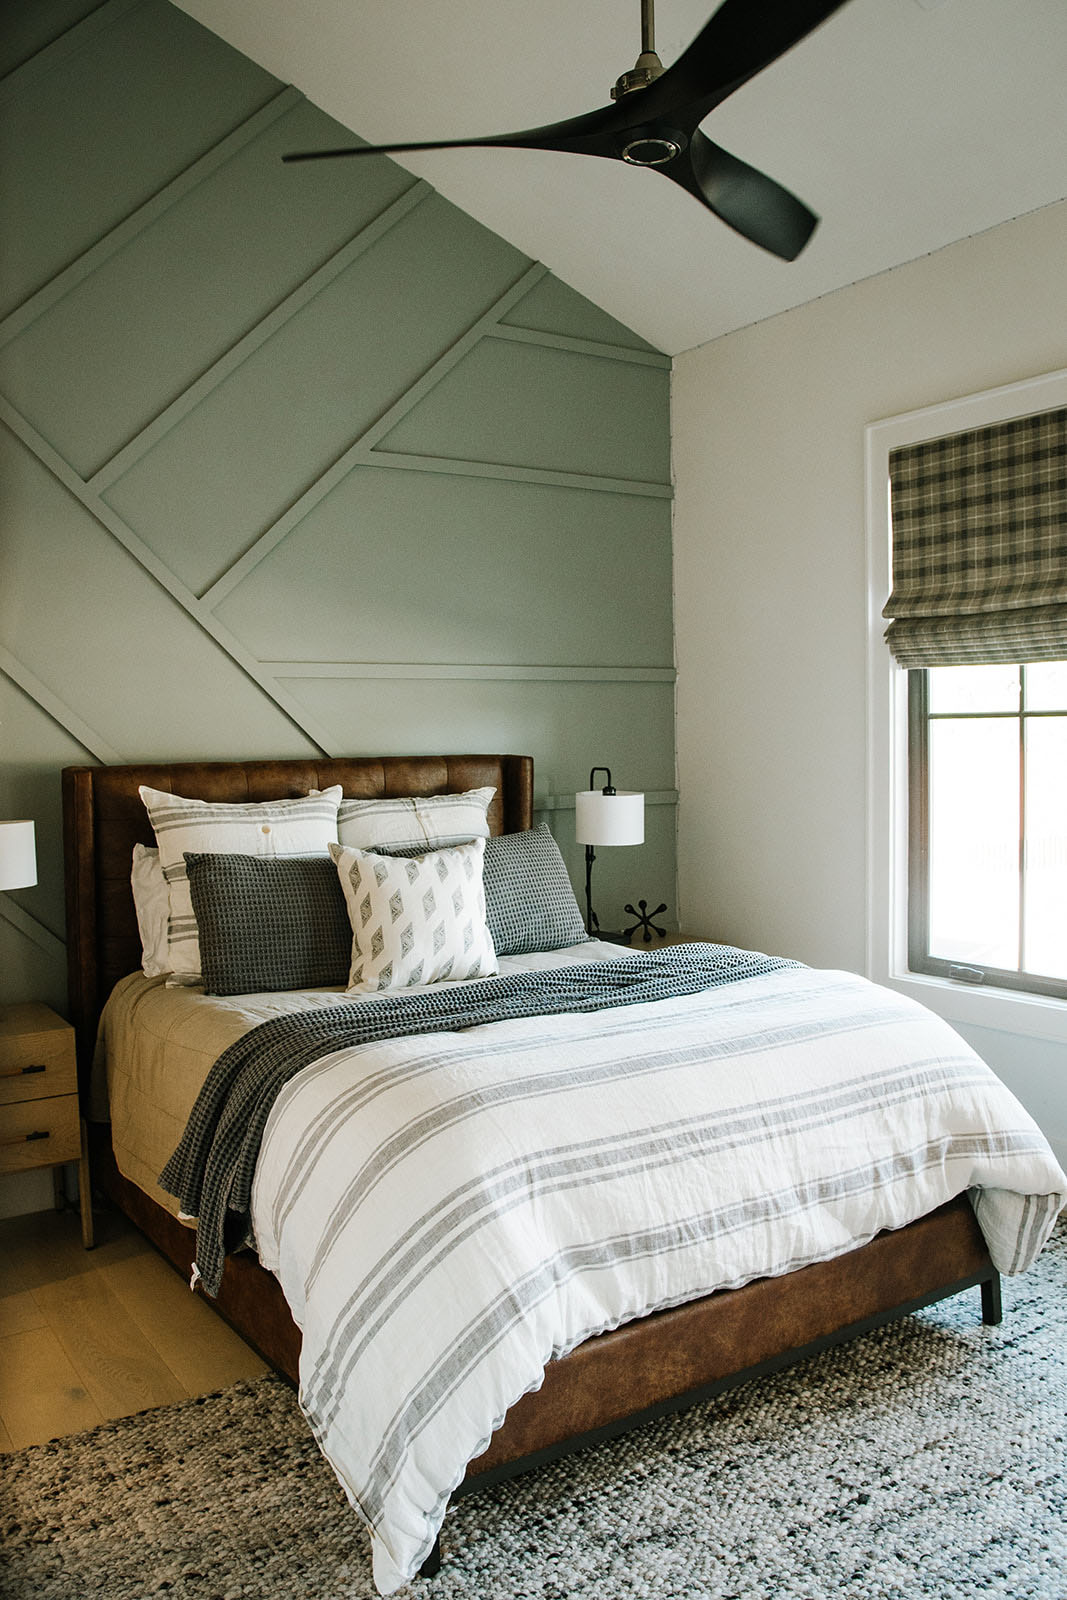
{"x":36,"y":1055}
{"x":39,"y":1133}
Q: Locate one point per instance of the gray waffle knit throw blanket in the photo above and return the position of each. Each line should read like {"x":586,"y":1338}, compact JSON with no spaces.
{"x":211,"y":1171}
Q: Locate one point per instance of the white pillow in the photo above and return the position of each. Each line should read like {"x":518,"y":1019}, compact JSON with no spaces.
{"x":419,"y":822}
{"x":151,"y":901}
{"x":415,"y":919}
{"x":304,"y":827}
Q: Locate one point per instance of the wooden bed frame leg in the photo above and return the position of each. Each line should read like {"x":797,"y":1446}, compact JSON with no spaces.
{"x":992,"y":1311}
{"x":432,"y":1565}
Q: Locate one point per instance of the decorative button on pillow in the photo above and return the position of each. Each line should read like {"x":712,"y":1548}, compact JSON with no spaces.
{"x":302,"y":827}
{"x":415,"y":919}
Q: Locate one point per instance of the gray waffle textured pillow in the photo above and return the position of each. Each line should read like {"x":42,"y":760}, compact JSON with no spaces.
{"x":269,"y":922}
{"x":529,"y":901}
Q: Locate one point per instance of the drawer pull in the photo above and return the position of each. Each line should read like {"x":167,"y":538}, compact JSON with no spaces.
{"x":22,"y":1072}
{"x":41,"y":1133}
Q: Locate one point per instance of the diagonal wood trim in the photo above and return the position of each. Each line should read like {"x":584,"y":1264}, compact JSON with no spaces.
{"x":26,"y":76}
{"x":48,"y":941}
{"x":503,"y":672}
{"x":57,"y":709}
{"x":565,"y":802}
{"x":146,"y":558}
{"x":498,"y":469}
{"x":88,"y":262}
{"x":359,"y":452}
{"x":257,"y":336}
{"x":581,"y":347}
{"x":451,"y":358}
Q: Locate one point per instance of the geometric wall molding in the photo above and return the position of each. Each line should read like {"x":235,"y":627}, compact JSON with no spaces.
{"x":35,"y":931}
{"x":584,"y":347}
{"x":55,"y":708}
{"x":25,"y":77}
{"x":380,"y":457}
{"x":335,"y":435}
{"x":120,"y":463}
{"x":361,"y":451}
{"x":502,"y":672}
{"x":565,"y":802}
{"x":365,"y":449}
{"x":157,"y":569}
{"x":116,"y":238}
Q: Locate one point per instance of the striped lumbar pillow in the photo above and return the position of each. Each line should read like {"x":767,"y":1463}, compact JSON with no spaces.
{"x":418,"y":822}
{"x":415,"y":919}
{"x":304,"y":827}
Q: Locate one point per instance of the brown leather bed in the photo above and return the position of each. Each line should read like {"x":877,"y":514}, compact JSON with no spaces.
{"x":612,"y":1382}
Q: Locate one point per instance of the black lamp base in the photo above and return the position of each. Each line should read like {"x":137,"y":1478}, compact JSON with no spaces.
{"x":644,"y":924}
{"x":592,"y":925}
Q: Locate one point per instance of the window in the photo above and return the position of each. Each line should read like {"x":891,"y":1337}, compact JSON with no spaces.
{"x":987,"y":836}
{"x":899,"y":746}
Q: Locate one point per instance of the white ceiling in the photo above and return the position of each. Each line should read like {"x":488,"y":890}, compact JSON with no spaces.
{"x":906,"y":124}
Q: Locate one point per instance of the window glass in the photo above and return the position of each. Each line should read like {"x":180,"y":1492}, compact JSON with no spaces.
{"x":1045,"y":895}
{"x":974,"y":841}
{"x":1046,"y":686}
{"x":970,"y":689}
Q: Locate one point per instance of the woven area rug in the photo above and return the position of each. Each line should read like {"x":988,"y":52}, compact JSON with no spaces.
{"x":927,"y":1459}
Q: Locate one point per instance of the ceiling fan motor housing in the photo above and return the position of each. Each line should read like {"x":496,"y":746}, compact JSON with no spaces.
{"x":652,"y":146}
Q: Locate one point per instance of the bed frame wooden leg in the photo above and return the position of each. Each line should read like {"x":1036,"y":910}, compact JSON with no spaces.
{"x":432,"y":1565}
{"x":992,"y":1311}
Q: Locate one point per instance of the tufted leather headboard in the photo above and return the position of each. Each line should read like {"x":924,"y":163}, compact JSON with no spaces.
{"x":104,"y":817}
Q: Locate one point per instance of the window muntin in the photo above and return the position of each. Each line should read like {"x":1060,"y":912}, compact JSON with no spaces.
{"x":988,"y":825}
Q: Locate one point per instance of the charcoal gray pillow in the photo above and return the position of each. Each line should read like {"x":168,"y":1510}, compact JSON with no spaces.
{"x":269,"y":922}
{"x":529,"y":902}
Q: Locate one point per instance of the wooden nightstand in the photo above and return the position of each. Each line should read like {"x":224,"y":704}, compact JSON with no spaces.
{"x":40,"y":1125}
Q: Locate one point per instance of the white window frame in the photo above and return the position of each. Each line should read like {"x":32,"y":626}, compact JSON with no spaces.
{"x":1012,"y":1011}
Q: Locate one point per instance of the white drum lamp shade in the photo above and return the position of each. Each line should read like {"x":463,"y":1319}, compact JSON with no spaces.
{"x":609,"y":818}
{"x":18,"y":855}
{"x":605,"y":816}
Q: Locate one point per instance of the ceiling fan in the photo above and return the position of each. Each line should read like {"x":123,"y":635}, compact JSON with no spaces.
{"x":655,"y":119}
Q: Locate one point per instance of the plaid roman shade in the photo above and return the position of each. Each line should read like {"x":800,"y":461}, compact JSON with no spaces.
{"x":980,"y":545}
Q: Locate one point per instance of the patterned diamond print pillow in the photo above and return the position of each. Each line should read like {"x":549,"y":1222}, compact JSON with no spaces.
{"x":415,"y":919}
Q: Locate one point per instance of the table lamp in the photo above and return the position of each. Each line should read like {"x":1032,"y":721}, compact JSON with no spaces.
{"x":605,"y":816}
{"x":18,"y":855}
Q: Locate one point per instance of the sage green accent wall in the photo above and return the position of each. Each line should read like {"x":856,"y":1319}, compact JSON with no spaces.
{"x":299,"y":459}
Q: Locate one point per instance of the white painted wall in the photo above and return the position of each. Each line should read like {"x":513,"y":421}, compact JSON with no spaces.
{"x":770,"y":594}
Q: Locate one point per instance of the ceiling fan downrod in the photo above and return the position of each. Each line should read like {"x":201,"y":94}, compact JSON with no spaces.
{"x":648,"y":67}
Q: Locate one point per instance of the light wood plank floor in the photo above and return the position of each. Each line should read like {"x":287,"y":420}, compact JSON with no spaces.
{"x":86,"y":1335}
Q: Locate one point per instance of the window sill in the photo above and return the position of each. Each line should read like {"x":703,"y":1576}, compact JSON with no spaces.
{"x":1036,"y":1016}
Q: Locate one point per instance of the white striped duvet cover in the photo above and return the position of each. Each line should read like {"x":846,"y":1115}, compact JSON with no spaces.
{"x":446,"y":1215}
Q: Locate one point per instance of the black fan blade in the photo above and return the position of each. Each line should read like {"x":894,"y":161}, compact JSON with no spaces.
{"x":590,"y":134}
{"x":748,"y":201}
{"x":730,"y":49}
{"x":388,"y":149}
{"x":742,"y":38}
